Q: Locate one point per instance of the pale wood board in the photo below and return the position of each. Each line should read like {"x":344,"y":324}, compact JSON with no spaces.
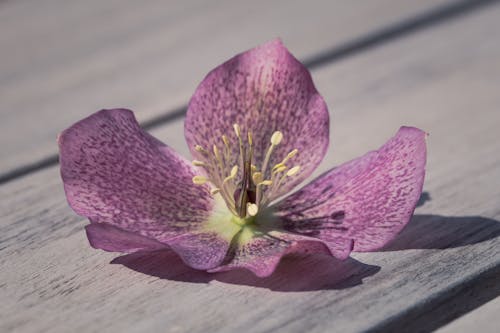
{"x":62,"y":60}
{"x":444,"y":80}
{"x":484,"y":318}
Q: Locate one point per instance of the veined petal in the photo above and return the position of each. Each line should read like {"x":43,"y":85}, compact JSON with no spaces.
{"x":262,"y":90}
{"x":261,"y":253}
{"x":117,"y":174}
{"x":372,"y":197}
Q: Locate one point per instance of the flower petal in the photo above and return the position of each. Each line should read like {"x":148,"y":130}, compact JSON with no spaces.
{"x":110,"y":238}
{"x":115,"y":173}
{"x":262,"y":254}
{"x":372,"y":197}
{"x":262,"y":90}
{"x":202,"y":250}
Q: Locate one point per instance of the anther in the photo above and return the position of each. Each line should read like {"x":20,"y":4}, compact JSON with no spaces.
{"x":225,"y":140}
{"x":292,"y":153}
{"x":293,"y":171}
{"x":257,"y":177}
{"x":252,"y":209}
{"x":199,"y":180}
{"x":198,"y":163}
{"x":289,"y":156}
{"x":280,"y":169}
{"x":214,"y":191}
{"x":276,"y":138}
{"x":233,"y":173}
{"x":200,"y":149}
{"x":216,"y":151}
{"x":236,"y":129}
{"x":265,"y":182}
{"x":279,"y":165}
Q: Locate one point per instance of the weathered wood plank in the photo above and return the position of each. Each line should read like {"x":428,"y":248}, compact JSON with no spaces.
{"x":485,"y":318}
{"x":62,"y":60}
{"x":443,"y":80}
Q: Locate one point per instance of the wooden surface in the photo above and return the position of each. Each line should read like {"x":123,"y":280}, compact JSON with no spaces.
{"x":443,"y":79}
{"x":485,"y":318}
{"x":66,"y":59}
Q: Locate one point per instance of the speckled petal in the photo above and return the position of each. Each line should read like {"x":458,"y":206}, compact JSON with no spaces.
{"x":201,"y":250}
{"x":115,"y":173}
{"x":263,"y":90}
{"x":262,"y":254}
{"x":372,"y":198}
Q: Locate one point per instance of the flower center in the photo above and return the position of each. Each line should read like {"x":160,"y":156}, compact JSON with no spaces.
{"x":246,"y":186}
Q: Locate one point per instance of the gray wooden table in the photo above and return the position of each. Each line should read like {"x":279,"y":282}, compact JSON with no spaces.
{"x":379,"y":64}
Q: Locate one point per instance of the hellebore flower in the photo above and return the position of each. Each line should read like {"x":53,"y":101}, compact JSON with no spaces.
{"x":257,"y":127}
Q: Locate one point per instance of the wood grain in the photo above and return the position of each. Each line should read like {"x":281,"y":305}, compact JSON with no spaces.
{"x":485,"y":318}
{"x":62,"y":60}
{"x":444,"y":80}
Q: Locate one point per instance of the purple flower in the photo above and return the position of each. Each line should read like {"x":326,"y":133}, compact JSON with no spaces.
{"x":257,"y":127}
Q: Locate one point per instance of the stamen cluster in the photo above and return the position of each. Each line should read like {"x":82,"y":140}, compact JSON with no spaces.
{"x":247,"y":186}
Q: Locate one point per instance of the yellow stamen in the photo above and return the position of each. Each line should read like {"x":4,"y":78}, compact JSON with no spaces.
{"x":218,"y":157}
{"x":293,"y":171}
{"x":279,"y":165}
{"x":237,"y":130}
{"x":198,"y":163}
{"x":200,"y":149}
{"x":226,"y":141}
{"x":257,"y":177}
{"x":233,"y":173}
{"x":292,"y":153}
{"x":252,"y":209}
{"x":227,"y":149}
{"x":244,"y":177}
{"x":276,"y":138}
{"x":200,"y":180}
{"x":288,"y":157}
{"x":280,"y":169}
{"x":216,"y":152}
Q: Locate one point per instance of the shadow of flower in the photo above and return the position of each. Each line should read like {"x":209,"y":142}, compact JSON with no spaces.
{"x":424,"y":197}
{"x":294,"y":273}
{"x":442,"y":232}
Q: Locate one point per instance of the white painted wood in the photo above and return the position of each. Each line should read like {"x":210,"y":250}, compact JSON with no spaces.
{"x":444,"y":80}
{"x":62,"y":60}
